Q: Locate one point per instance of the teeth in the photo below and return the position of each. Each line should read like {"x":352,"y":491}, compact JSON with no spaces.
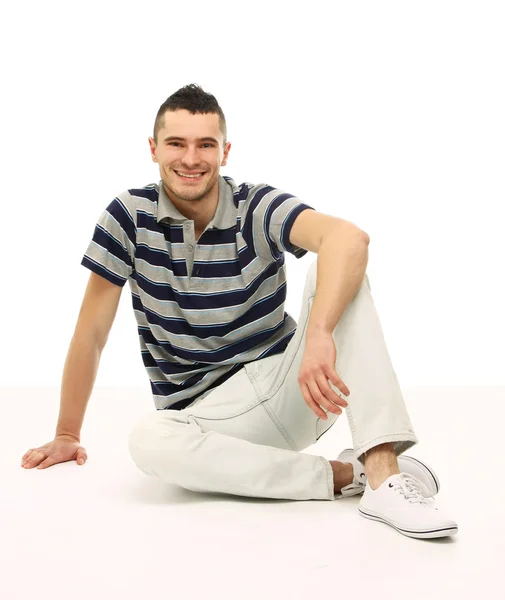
{"x":189,"y":176}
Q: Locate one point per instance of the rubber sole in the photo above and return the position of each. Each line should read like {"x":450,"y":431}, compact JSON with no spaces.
{"x":414,"y":533}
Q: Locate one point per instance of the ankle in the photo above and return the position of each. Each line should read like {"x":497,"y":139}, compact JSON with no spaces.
{"x":380,"y":463}
{"x":376,"y":479}
{"x":343,"y":474}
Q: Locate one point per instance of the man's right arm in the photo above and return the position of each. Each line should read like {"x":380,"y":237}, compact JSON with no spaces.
{"x":94,"y":323}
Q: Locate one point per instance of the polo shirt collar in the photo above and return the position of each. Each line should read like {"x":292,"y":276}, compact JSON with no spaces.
{"x":226,"y":212}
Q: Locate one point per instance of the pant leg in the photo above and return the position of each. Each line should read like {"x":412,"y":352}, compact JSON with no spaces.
{"x":227,"y":442}
{"x":376,"y":413}
{"x":244,"y":438}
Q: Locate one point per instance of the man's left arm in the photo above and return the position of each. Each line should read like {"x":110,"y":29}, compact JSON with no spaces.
{"x":342,"y":257}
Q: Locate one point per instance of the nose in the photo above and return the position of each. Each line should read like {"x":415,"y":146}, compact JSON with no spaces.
{"x":190,"y":157}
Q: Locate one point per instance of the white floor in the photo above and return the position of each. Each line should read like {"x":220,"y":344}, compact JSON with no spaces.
{"x":108,"y":531}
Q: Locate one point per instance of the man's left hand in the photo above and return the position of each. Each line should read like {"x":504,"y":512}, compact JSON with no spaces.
{"x":318,"y":366}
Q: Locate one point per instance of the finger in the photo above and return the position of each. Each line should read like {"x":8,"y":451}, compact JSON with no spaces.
{"x":310,"y":402}
{"x":336,"y":389}
{"x":46,"y":463}
{"x":34,"y":459}
{"x":28,"y":456}
{"x":329,"y":393}
{"x":337,"y":382}
{"x":81,"y":458}
{"x":322,"y":400}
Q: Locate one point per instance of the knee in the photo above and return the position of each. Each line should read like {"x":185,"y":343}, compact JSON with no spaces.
{"x":155,"y":445}
{"x":142,"y":438}
{"x":146,"y":423}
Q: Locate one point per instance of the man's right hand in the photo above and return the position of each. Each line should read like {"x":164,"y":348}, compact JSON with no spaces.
{"x":62,"y":449}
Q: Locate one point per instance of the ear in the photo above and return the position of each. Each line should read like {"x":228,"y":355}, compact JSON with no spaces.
{"x":152,"y":145}
{"x":226,"y":152}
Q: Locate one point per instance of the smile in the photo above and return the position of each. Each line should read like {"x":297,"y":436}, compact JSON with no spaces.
{"x":190,"y":177}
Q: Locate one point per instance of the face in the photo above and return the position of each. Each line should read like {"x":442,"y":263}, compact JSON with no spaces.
{"x":189,"y":154}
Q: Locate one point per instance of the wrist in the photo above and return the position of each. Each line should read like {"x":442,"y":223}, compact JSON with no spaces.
{"x":318,"y":329}
{"x":68,"y":436}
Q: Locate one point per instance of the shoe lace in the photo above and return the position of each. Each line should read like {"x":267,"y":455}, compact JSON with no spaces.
{"x":413,"y":489}
{"x":355,"y":487}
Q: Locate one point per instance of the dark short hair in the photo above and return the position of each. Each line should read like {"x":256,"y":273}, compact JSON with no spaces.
{"x":193,"y":99}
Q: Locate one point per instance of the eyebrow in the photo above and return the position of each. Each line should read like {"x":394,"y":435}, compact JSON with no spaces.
{"x":175,"y":138}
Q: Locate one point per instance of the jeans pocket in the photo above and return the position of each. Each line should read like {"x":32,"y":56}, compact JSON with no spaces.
{"x":262,"y":374}
{"x":230,"y":399}
{"x":322,"y":425}
{"x":252,"y":368}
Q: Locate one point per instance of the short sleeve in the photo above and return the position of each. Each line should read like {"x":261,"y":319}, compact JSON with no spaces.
{"x":111,"y":252}
{"x":274,"y":213}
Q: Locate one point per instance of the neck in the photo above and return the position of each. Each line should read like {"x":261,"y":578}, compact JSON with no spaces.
{"x":201,"y":210}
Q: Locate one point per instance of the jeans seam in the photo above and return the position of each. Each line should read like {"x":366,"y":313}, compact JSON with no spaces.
{"x":265,"y":397}
{"x":295,"y":352}
{"x":279,"y":426}
{"x":299,"y":343}
{"x":350,"y":420}
{"x":326,"y":430}
{"x":329,"y":478}
{"x":235,"y":414}
{"x":252,"y":379}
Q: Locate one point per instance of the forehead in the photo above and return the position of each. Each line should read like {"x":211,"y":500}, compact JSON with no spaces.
{"x":182,"y":123}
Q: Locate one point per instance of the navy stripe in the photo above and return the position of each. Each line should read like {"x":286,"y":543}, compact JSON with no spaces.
{"x":181,"y":404}
{"x":102,"y":271}
{"x":148,"y":192}
{"x":106,"y":240}
{"x":180,"y":326}
{"x":223,"y":354}
{"x":203,"y":301}
{"x":276,"y":253}
{"x":118,"y":210}
{"x":286,"y":229}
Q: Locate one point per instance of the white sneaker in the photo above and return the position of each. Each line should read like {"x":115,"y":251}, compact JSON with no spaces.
{"x":402,"y":502}
{"x":407,"y":464}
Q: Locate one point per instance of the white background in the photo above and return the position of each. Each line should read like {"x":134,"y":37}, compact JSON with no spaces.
{"x":388,"y":114}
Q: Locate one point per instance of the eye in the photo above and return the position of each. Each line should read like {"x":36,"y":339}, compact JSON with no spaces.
{"x":177,"y":144}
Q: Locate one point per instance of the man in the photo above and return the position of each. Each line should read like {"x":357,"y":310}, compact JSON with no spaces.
{"x":240,"y":388}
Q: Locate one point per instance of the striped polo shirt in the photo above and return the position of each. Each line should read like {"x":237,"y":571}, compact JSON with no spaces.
{"x":203,"y":307}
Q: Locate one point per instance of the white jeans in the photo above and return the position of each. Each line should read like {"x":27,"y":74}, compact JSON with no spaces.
{"x":245,"y":436}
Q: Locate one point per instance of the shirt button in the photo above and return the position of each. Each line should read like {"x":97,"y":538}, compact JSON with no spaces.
{"x":187,"y":225}
{"x":190,"y":248}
